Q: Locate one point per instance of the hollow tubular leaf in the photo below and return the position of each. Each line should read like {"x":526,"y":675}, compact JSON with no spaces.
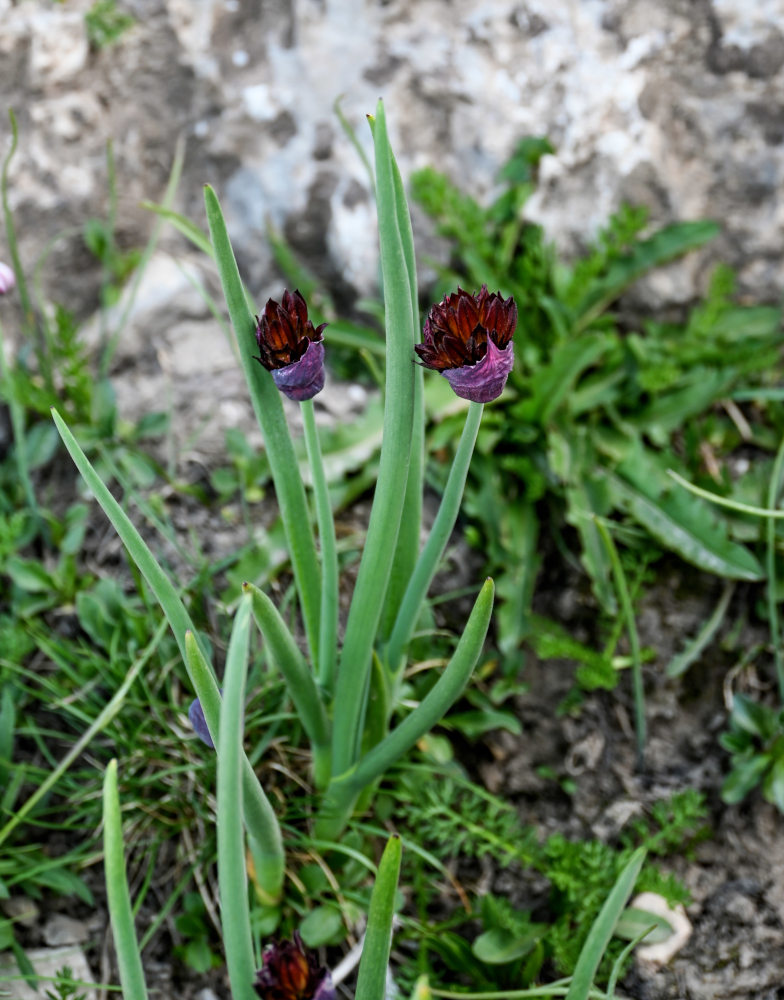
{"x":344,"y":789}
{"x":379,"y":553}
{"x":232,"y":877}
{"x":268,"y":408}
{"x":299,"y":680}
{"x":372,"y":975}
{"x":264,"y":837}
{"x":119,"y":900}
{"x":407,"y":549}
{"x":428,"y":561}
{"x":148,"y":566}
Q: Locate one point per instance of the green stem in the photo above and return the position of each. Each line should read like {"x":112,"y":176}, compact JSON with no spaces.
{"x":269,"y":413}
{"x":436,"y":543}
{"x":352,"y":682}
{"x":774,"y":488}
{"x":18,"y":427}
{"x":13,"y":248}
{"x":328,"y":636}
{"x":625,"y":602}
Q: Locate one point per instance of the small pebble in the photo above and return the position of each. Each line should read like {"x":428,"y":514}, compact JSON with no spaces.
{"x":60,"y":930}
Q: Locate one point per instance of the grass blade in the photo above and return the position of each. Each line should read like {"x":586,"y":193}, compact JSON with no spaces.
{"x":119,"y":900}
{"x":625,"y":602}
{"x":603,"y":927}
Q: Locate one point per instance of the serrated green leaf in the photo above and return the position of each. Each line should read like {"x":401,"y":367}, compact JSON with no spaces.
{"x":665,"y":245}
{"x":679,"y":521}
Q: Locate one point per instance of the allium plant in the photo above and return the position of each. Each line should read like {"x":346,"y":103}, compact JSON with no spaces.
{"x":468,"y":339}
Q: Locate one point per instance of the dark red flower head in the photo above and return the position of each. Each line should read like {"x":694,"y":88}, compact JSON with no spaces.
{"x":292,"y":972}
{"x":290,"y":347}
{"x":468,"y":339}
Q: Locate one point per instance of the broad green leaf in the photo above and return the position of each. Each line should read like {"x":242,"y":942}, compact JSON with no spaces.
{"x":498,"y":946}
{"x":751,"y":716}
{"x":773,"y":788}
{"x":744,"y":776}
{"x":322,"y":926}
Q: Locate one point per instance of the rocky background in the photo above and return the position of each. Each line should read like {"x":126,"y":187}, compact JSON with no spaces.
{"x":677,"y":104}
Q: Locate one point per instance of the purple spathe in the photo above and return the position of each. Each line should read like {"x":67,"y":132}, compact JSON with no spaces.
{"x":199,"y":723}
{"x":304,"y":378}
{"x":484,"y":381}
{"x":7,"y":279}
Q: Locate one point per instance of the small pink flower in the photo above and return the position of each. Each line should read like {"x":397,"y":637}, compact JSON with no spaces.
{"x":7,"y":278}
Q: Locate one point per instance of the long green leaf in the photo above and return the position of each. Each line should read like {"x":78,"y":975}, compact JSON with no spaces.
{"x":603,"y":927}
{"x":384,"y":526}
{"x":372,"y":975}
{"x":118,"y":897}
{"x":407,"y":549}
{"x":232,"y":877}
{"x":678,"y":521}
{"x":148,"y":566}
{"x":264,"y":836}
{"x":301,"y":685}
{"x":344,"y":789}
{"x":429,"y":560}
{"x":269,"y":412}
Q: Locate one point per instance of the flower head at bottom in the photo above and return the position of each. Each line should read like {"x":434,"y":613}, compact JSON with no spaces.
{"x":289,"y":971}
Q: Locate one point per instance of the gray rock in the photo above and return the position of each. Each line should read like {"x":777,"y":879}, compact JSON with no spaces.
{"x":60,"y":929}
{"x":48,"y":962}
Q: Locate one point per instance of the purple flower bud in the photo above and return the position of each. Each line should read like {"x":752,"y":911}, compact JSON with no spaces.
{"x":7,"y":278}
{"x":291,"y":347}
{"x":292,"y":972}
{"x":468,"y":339}
{"x":199,"y":723}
